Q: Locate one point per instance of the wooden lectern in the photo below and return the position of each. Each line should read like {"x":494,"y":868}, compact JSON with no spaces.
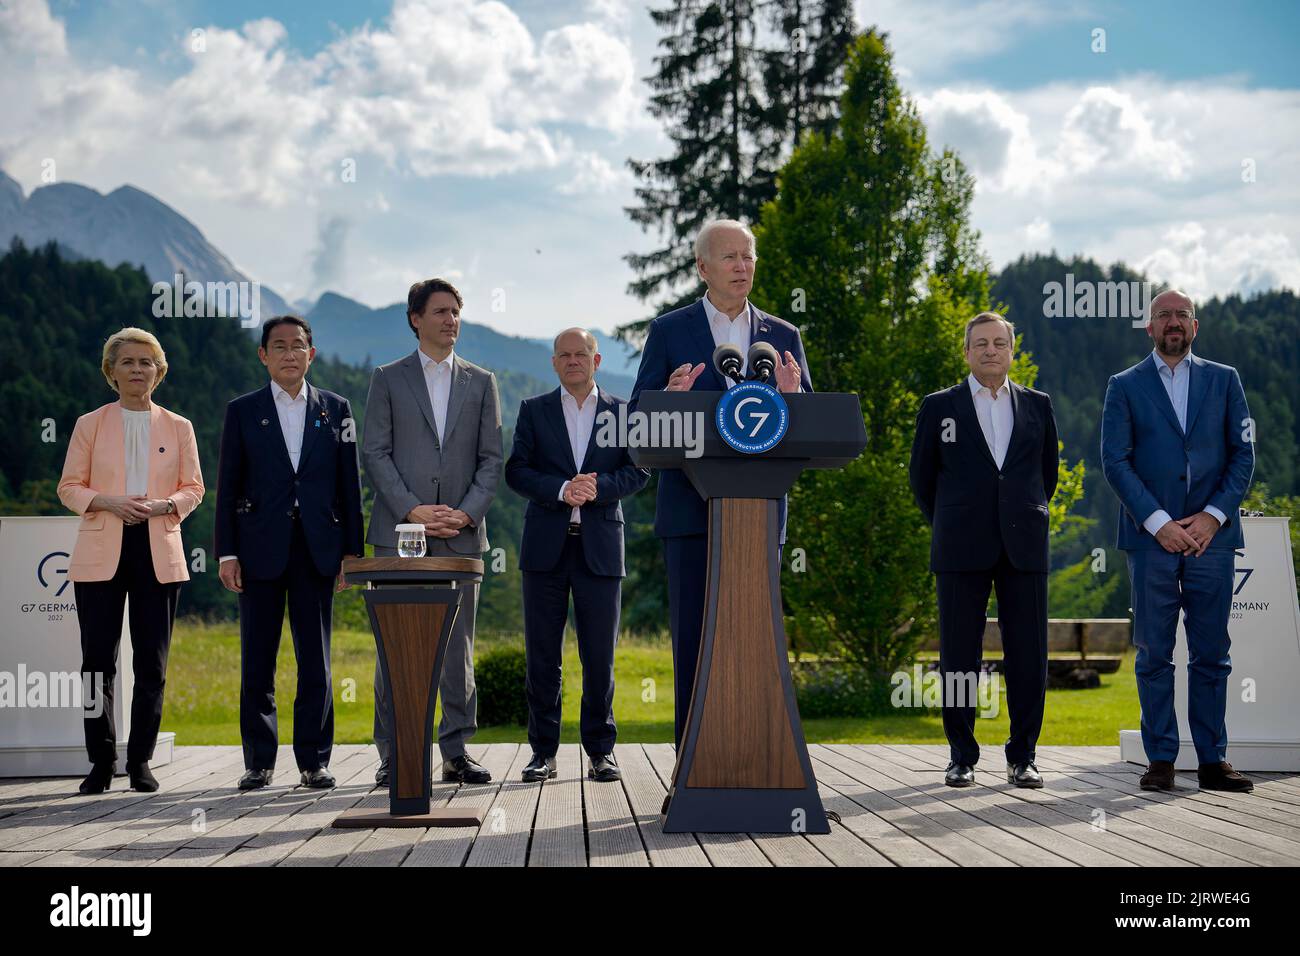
{"x":743,"y":765}
{"x":413,"y":603}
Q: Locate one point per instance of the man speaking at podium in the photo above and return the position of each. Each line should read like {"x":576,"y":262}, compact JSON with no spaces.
{"x":678,"y":356}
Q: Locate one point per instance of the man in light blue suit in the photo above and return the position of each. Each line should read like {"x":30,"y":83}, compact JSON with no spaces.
{"x":1176,"y":447}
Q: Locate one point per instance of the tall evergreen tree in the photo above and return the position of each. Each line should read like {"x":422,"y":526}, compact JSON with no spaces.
{"x":803,"y":70}
{"x":737,"y":81}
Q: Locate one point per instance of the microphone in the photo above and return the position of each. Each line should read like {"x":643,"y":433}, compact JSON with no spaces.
{"x":763,"y":361}
{"x":727,"y":361}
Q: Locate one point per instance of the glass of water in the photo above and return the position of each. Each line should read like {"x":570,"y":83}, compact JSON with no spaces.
{"x":410,"y":541}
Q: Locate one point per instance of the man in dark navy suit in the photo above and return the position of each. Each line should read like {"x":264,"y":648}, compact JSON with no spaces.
{"x":678,"y":356}
{"x":572,"y":543}
{"x":984,"y":466}
{"x":288,"y":512}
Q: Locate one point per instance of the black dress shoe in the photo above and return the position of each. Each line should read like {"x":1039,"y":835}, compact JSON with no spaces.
{"x":465,"y":769}
{"x":603,"y":769}
{"x":1159,"y":776}
{"x":318,"y":779}
{"x":142,"y":777}
{"x":254,"y":779}
{"x":539,"y":768}
{"x":99,"y":778}
{"x":959,"y":775}
{"x":381,"y":775}
{"x":1024,"y":775}
{"x":1221,"y":776}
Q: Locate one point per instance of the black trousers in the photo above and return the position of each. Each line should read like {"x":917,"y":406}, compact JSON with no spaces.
{"x":1022,"y":617}
{"x":596,"y":605}
{"x":310,"y":596}
{"x":151,"y":613}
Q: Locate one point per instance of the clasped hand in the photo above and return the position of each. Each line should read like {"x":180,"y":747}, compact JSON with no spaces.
{"x":1190,"y":535}
{"x":440,"y":521}
{"x":580,"y":489}
{"x":132,"y":509}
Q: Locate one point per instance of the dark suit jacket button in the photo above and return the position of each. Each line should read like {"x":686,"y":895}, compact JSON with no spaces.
{"x":1001,"y":477}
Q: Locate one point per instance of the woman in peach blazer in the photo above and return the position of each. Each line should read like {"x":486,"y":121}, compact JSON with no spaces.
{"x":132,"y":473}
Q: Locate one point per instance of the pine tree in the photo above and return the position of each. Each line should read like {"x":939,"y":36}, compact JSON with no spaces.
{"x":737,"y":82}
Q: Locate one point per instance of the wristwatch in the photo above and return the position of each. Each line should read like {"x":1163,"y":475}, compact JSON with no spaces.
{"x":171,"y":506}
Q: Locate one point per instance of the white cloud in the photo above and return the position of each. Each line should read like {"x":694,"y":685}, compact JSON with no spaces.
{"x":442,"y":87}
{"x":1202,"y":263}
{"x":595,"y":176}
{"x":43,"y":36}
{"x":1117,"y":171}
{"x":992,"y":137}
{"x":1038,"y":233}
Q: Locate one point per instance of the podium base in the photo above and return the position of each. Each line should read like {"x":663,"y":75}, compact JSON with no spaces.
{"x":1264,"y":756}
{"x":438,"y":817}
{"x":744,"y":810}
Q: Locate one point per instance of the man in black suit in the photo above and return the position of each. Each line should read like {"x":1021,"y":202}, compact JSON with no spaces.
{"x":288,"y":512}
{"x":572,"y":543}
{"x":984,"y":467}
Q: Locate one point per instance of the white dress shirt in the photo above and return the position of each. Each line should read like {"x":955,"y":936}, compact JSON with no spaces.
{"x":437,"y":379}
{"x":993,"y":409}
{"x":579,"y":420}
{"x":1176,"y":381}
{"x":292,"y":413}
{"x":135,"y":435}
{"x":734,"y":331}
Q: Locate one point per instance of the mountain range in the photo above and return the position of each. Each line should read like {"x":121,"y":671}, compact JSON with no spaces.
{"x":129,"y":225}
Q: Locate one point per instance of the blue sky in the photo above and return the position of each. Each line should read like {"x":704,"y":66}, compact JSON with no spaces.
{"x":489,"y":140}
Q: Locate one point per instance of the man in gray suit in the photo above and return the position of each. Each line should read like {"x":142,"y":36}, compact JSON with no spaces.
{"x":432,"y":449}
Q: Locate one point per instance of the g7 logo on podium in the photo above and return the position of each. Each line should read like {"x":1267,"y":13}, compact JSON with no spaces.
{"x":752,"y":417}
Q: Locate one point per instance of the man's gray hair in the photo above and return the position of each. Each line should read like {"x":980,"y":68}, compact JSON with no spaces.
{"x":990,"y":317}
{"x":586,"y":336}
{"x":706,"y":233}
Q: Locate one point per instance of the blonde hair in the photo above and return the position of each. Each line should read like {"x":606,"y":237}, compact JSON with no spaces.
{"x":139,"y":337}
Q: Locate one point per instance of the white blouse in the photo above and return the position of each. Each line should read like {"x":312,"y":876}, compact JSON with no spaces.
{"x":135,"y":429}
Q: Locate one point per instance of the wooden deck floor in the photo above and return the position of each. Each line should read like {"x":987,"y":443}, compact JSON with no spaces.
{"x":891,"y":799}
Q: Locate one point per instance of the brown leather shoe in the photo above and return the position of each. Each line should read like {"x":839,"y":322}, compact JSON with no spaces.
{"x":1221,"y":776}
{"x":1159,"y":776}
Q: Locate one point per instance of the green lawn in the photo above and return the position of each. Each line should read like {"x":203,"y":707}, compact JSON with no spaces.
{"x":202,"y":698}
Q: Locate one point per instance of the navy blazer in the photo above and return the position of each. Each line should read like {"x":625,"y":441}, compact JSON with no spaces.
{"x":974,"y":508}
{"x":680,"y":337}
{"x":1152,"y":464}
{"x":257,"y":484}
{"x":541,"y":461}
